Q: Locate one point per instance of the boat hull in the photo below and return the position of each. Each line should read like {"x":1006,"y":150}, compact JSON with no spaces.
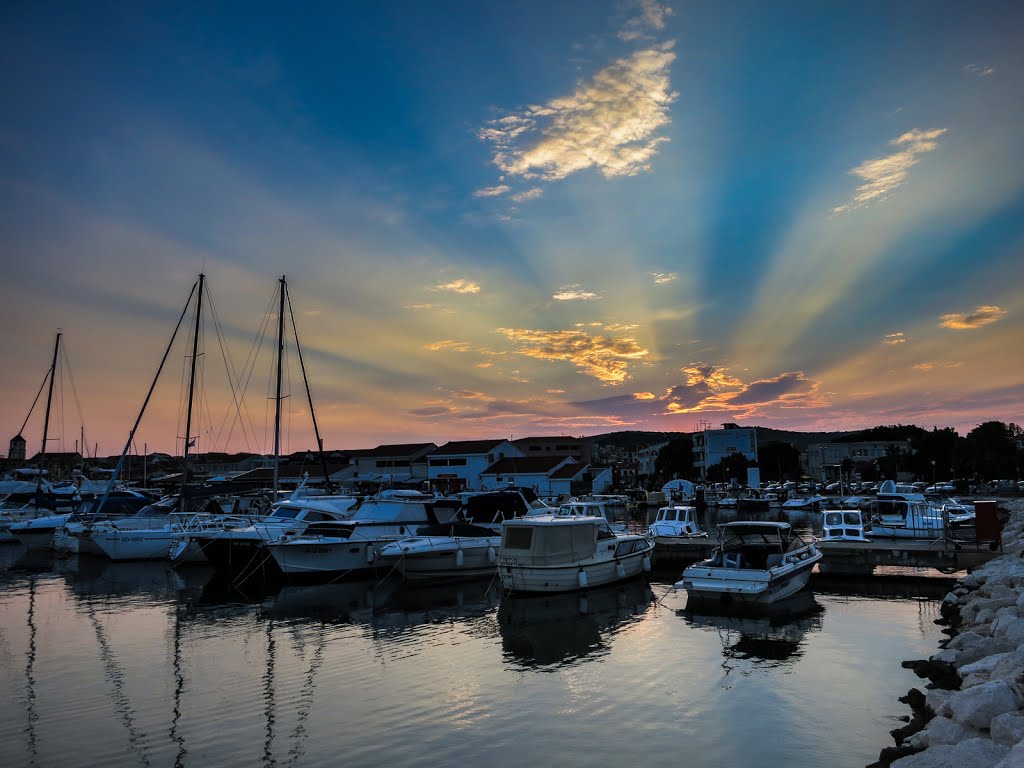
{"x":443,"y":561}
{"x":305,"y":558}
{"x":567,"y":578}
{"x":718,"y":584}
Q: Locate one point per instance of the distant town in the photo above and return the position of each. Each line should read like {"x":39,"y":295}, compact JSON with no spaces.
{"x":990,"y":457}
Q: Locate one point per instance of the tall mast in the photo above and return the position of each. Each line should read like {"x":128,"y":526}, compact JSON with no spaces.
{"x":309,"y":397}
{"x":46,"y":419}
{"x":191,"y":390}
{"x":277,"y":411}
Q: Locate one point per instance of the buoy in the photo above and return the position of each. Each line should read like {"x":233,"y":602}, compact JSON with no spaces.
{"x":492,"y":556}
{"x":620,"y":570}
{"x":459,"y":558}
{"x":582,"y":579}
{"x":646,"y":564}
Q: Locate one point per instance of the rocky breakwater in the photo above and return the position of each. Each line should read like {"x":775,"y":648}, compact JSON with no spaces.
{"x":972,"y":713}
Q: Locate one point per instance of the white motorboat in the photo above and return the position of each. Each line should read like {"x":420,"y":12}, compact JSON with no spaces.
{"x":466,"y":548}
{"x":805,"y":502}
{"x":903,"y":512}
{"x":590,"y":508}
{"x":755,"y":561}
{"x":675,"y":522}
{"x":562,"y":553}
{"x":455,"y":551}
{"x":341,"y":548}
{"x":238,"y":551}
{"x":843,"y":525}
{"x":40,"y":532}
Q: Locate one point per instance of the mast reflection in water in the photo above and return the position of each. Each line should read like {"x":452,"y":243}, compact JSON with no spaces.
{"x":127,"y":664}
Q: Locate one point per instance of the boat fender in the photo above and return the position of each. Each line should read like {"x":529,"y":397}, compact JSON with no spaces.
{"x":646,"y":564}
{"x":459,"y":558}
{"x":581,"y":578}
{"x":492,"y":556}
{"x":369,"y":553}
{"x":620,"y":571}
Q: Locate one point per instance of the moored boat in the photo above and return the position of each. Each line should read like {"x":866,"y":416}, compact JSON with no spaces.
{"x":755,"y":561}
{"x":560,"y":553}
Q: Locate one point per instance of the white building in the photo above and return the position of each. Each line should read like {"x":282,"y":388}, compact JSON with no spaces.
{"x":457,"y":466}
{"x":712,"y":445}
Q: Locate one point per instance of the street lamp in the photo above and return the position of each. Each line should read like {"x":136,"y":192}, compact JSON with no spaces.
{"x":933,"y":471}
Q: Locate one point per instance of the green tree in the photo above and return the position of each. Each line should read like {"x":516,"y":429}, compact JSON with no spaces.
{"x":676,"y":459}
{"x":992,"y":450}
{"x":778,"y":460}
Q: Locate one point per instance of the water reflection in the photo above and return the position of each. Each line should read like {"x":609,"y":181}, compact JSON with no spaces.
{"x":555,"y":630}
{"x":769,"y":636}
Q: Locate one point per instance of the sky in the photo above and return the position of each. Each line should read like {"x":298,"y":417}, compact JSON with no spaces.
{"x":511,"y":219}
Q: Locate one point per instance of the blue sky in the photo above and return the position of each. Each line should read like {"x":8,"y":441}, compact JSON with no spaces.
{"x":522,"y":218}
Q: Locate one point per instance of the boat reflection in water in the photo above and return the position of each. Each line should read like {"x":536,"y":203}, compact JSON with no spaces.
{"x":559,"y":629}
{"x":768,"y":636}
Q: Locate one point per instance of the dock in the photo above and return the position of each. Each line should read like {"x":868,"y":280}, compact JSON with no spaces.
{"x":859,"y":557}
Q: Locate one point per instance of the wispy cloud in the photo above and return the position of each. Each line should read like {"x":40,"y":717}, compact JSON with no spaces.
{"x":494,"y":191}
{"x":931,"y":365}
{"x":448,"y":345}
{"x":961,"y":321}
{"x":429,"y":307}
{"x":981,"y":70}
{"x":609,"y":123}
{"x":884,"y":174}
{"x":574,"y":293}
{"x":605,"y":358}
{"x":652,"y":17}
{"x":529,"y":194}
{"x":660,"y":278}
{"x":458,"y":286}
{"x":896,"y":337}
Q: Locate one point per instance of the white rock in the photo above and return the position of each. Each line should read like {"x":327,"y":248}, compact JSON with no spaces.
{"x":986,"y":664}
{"x":1007,"y":728}
{"x":973,"y":753}
{"x":1014,"y":758}
{"x":975,"y":707}
{"x":942,"y":730}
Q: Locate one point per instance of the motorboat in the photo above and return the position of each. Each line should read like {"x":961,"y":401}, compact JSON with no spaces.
{"x":590,"y":508}
{"x":335,"y":548}
{"x":238,"y":551}
{"x":464,"y":548}
{"x":755,"y":561}
{"x":675,"y":522}
{"x":812,"y":502}
{"x":563,"y":553}
{"x":843,"y":525}
{"x":903,"y":512}
{"x":40,"y":532}
{"x":451,"y":551}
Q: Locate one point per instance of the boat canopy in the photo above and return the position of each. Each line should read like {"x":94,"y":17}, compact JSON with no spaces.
{"x":554,"y":541}
{"x":754,"y":532}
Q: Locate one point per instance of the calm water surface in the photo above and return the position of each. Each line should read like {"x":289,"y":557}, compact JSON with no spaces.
{"x":129,"y":664}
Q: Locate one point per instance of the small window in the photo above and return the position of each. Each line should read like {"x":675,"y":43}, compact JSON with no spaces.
{"x":518,"y":537}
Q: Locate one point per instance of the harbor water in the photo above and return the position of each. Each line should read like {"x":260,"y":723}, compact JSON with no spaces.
{"x":128,"y":664}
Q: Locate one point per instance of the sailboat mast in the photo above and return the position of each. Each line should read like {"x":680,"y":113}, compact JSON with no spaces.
{"x":309,"y":397}
{"x":46,"y":419}
{"x":191,"y":390}
{"x":277,"y":411}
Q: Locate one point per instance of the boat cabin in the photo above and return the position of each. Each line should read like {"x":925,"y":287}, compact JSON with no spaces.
{"x":676,"y":520}
{"x":754,"y":545}
{"x":553,"y":540}
{"x":843,"y":525}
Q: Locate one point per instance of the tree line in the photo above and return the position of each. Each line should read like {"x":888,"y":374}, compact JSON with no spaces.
{"x":991,"y":451}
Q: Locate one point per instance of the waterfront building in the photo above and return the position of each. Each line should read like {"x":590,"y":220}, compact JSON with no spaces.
{"x":710,"y":446}
{"x":405,"y":463}
{"x":823,"y":461}
{"x":457,"y":465}
{"x":578,"y":448}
